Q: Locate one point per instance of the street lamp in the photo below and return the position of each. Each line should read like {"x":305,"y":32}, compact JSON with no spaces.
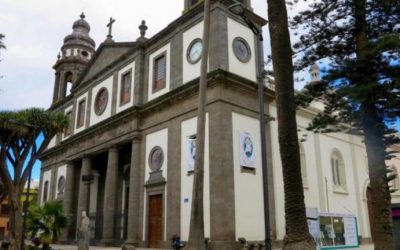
{"x":240,"y":10}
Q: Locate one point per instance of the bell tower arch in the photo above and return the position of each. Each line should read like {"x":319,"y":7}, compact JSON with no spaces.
{"x":76,"y":52}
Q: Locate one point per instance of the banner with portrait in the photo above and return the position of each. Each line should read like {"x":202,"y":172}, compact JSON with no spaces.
{"x":247,"y":150}
{"x":191,"y":153}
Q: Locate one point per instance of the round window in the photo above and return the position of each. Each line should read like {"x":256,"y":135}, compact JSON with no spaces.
{"x":84,"y":53}
{"x":101,"y":101}
{"x":194,"y":51}
{"x":156,"y":158}
{"x":241,"y":49}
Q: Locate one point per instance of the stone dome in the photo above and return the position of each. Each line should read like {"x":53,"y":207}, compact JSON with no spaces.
{"x":80,"y":34}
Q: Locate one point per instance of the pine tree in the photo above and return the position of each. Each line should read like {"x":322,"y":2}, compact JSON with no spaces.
{"x":361,"y":86}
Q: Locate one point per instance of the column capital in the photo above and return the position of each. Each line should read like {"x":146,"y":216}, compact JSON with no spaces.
{"x":113,"y":148}
{"x":136,"y":137}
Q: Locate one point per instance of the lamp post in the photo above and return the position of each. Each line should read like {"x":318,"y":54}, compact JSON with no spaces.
{"x":239,"y":9}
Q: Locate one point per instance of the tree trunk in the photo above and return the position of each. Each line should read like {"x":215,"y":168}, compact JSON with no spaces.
{"x":15,"y":219}
{"x":380,"y":195}
{"x":373,"y":126}
{"x":196,"y":231}
{"x":297,"y":236}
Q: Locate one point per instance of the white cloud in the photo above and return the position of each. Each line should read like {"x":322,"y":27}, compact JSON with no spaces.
{"x":35,"y":31}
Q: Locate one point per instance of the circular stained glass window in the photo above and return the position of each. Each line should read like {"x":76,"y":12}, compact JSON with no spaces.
{"x":156,"y":158}
{"x":101,"y":101}
{"x":241,"y":49}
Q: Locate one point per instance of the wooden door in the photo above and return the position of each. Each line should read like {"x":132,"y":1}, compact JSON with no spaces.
{"x":155,"y":220}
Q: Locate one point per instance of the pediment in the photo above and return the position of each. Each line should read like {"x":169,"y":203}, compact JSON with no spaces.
{"x":105,"y":56}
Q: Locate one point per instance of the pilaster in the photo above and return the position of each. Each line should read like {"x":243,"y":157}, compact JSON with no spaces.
{"x":68,"y":196}
{"x":133,"y":237}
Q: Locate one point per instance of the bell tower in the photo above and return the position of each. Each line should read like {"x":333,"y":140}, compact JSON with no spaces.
{"x":191,"y":3}
{"x":315,"y":73}
{"x":77,"y":50}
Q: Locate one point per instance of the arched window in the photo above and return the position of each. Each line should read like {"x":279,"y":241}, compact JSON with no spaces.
{"x":45,"y":191}
{"x":338,"y":171}
{"x":303,"y":165}
{"x":68,"y":83}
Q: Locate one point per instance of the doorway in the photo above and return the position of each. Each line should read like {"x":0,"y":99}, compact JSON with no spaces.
{"x":155,"y":221}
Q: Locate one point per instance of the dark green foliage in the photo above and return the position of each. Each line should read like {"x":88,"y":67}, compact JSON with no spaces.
{"x":45,"y":222}
{"x":24,"y":135}
{"x":351,"y":81}
{"x":360,"y":87}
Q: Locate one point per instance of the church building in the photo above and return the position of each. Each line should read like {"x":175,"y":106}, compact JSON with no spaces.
{"x":127,"y":158}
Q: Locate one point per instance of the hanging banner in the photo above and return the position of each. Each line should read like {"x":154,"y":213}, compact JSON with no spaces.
{"x":191,"y":153}
{"x":247,"y":153}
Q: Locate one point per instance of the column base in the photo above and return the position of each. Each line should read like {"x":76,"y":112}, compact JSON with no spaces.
{"x":223,"y":245}
{"x":130,"y":245}
{"x":107,"y":242}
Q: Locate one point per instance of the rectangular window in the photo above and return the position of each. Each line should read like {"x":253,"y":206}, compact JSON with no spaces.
{"x":68,"y":130}
{"x":159,"y":74}
{"x":126,"y":85}
{"x":81,"y":113}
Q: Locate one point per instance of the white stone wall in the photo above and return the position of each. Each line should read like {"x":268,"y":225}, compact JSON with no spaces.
{"x":80,"y":98}
{"x":191,"y":71}
{"x":167,"y":50}
{"x":320,"y":192}
{"x":249,"y":207}
{"x":46,"y":177}
{"x":52,"y":142}
{"x":69,"y":109}
{"x":129,"y":67}
{"x":159,"y":138}
{"x":189,"y":129}
{"x":61,"y":171}
{"x":248,"y":69}
{"x":107,"y":84}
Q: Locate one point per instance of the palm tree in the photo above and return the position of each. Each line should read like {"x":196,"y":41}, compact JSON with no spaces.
{"x":297,"y":235}
{"x":45,"y":222}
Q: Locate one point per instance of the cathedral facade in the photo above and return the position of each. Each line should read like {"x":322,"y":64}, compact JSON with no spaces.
{"x":127,"y":158}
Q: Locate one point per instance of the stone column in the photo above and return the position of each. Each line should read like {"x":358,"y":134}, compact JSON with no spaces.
{"x":134,"y":195}
{"x":83,"y":193}
{"x":68,"y":196}
{"x":110,"y":196}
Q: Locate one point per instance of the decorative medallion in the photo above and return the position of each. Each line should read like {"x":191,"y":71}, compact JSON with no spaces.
{"x":241,"y":49}
{"x":101,"y":101}
{"x":61,"y":184}
{"x":194,"y":51}
{"x":156,"y":158}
